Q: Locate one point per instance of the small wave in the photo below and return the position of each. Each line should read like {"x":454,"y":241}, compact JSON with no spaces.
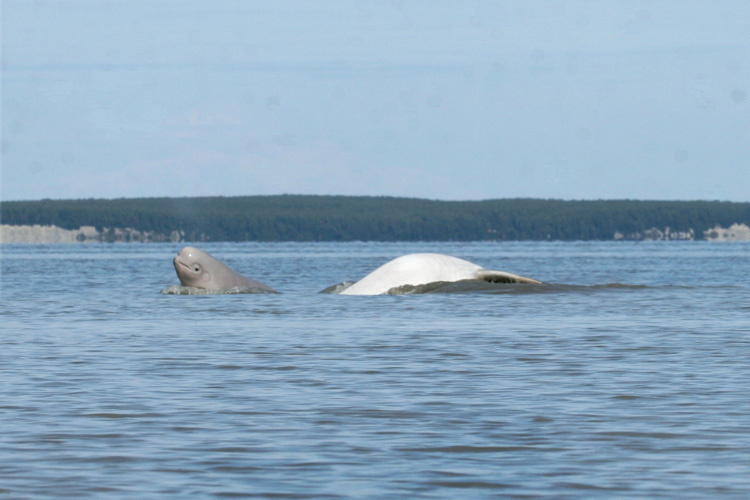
{"x":191,"y":290}
{"x":435,"y":287}
{"x":338,"y":287}
{"x":469,"y":286}
{"x":563,"y":288}
{"x":485,"y":287}
{"x":618,"y":285}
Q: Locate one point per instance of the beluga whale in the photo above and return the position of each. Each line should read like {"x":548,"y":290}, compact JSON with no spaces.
{"x":199,"y":269}
{"x":424,"y":268}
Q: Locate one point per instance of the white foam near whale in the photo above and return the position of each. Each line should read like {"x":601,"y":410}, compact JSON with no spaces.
{"x":424,"y":268}
{"x":199,"y":269}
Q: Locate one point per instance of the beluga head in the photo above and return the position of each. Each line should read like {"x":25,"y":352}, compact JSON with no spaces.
{"x":190,"y":264}
{"x":199,"y":269}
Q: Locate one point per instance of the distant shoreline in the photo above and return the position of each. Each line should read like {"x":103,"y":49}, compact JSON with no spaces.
{"x":363,"y":218}
{"x":38,"y":234}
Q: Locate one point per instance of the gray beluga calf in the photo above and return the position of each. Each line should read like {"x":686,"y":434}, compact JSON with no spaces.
{"x":423,"y":268}
{"x":200,"y":269}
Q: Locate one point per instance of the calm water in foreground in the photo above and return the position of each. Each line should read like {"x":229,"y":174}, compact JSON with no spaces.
{"x":628,"y":376}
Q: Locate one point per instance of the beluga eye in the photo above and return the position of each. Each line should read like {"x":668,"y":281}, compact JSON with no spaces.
{"x":197,"y":269}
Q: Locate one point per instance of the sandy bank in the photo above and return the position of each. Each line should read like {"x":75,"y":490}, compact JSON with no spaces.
{"x":735,"y":232}
{"x":47,"y":234}
{"x":84,"y":234}
{"x":37,"y":234}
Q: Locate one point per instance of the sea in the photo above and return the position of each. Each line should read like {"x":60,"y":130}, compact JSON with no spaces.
{"x":626,"y":374}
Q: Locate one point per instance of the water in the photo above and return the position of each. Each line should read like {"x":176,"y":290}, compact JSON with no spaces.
{"x":628,"y":376}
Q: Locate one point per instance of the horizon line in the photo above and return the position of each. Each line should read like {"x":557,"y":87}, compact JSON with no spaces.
{"x":2,"y":200}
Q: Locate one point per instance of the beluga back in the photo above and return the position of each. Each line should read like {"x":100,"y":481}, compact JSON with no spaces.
{"x":425,"y":268}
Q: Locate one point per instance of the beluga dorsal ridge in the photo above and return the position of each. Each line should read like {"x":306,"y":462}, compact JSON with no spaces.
{"x":423,"y":268}
{"x":199,"y":269}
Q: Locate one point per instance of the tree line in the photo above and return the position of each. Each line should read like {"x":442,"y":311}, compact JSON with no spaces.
{"x":368,"y":218}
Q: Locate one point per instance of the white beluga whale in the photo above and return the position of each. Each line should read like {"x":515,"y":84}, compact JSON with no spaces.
{"x":199,"y":269}
{"x":424,"y":268}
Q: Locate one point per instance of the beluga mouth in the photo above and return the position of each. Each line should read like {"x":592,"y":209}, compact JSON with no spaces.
{"x":177,"y":261}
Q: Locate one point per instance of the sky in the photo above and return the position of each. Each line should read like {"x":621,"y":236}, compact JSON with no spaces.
{"x":438,"y":99}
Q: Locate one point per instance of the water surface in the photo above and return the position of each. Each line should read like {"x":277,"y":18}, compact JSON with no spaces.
{"x":626,"y":376}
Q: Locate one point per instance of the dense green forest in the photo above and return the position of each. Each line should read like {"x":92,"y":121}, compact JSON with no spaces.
{"x":345,"y":218}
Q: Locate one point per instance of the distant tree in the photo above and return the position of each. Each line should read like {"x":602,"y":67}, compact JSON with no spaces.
{"x":340,"y":218}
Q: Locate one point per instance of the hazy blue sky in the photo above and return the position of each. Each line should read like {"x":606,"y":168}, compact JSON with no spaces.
{"x":574,"y":99}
